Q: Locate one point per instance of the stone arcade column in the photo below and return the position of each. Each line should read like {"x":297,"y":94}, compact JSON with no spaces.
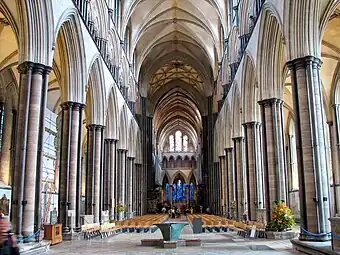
{"x":230,"y":175}
{"x":311,"y":147}
{"x":70,"y":164}
{"x":335,"y":145}
{"x":253,"y":166}
{"x":139,"y":192}
{"x":273,"y":150}
{"x":30,"y":131}
{"x":97,"y":174}
{"x":130,"y":165}
{"x":112,"y":183}
{"x":7,"y":142}
{"x":240,"y":177}
{"x":122,"y":175}
{"x":117,"y":181}
{"x":93,"y":180}
{"x":107,"y":177}
{"x":223,"y":186}
{"x":215,"y":188}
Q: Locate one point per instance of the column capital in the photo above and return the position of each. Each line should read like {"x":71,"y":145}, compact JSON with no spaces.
{"x":131,"y":158}
{"x":75,"y":105}
{"x":304,"y":62}
{"x":35,"y":68}
{"x":229,"y":149}
{"x":221,"y":157}
{"x":94,"y":127}
{"x":109,"y":140}
{"x":251,"y":124}
{"x":122,"y":150}
{"x":269,"y":101}
{"x":330,"y":123}
{"x":238,"y":138}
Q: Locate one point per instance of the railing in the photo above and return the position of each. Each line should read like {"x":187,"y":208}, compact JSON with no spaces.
{"x":233,"y":67}
{"x":101,"y":44}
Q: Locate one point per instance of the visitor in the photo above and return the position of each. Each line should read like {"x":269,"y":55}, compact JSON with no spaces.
{"x":8,"y":244}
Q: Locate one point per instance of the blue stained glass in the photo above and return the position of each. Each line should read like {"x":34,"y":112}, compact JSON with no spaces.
{"x":167,"y":192}
{"x":174,"y":192}
{"x":192,"y":190}
{"x":179,"y":191}
{"x":185,"y":192}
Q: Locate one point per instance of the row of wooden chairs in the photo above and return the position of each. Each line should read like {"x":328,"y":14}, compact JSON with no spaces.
{"x":139,"y":224}
{"x":216,"y":223}
{"x":143,"y":223}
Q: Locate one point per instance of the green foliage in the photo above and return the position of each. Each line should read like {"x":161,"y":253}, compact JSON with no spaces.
{"x":120,"y":208}
{"x":282,"y":218}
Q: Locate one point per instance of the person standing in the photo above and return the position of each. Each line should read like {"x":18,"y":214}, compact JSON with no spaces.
{"x":8,"y":244}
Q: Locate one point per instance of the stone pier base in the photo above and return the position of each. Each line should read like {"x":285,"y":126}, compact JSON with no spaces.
{"x":170,"y":244}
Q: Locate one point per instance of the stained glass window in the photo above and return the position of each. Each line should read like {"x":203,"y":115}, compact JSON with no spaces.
{"x":179,"y":190}
{"x":185,"y":143}
{"x":167,"y":192}
{"x":178,"y":135}
{"x":192,"y":190}
{"x":174,"y":192}
{"x":171,"y":143}
{"x":185,"y":191}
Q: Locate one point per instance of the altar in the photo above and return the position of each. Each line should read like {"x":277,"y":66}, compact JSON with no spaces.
{"x":171,"y":232}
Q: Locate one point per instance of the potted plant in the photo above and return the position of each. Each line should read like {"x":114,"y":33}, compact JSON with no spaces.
{"x":281,"y":222}
{"x":120,"y":211}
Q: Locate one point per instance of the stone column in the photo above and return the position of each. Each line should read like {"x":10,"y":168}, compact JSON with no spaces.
{"x":133,"y":206}
{"x":6,"y":142}
{"x":131,"y":161}
{"x":335,"y":145}
{"x":231,"y":197}
{"x":107,"y":174}
{"x":28,"y":167}
{"x":223,"y":185}
{"x":310,"y":128}
{"x":252,"y":166}
{"x":97,"y":174}
{"x":273,"y":150}
{"x":117,"y":180}
{"x":138,"y":171}
{"x":69,"y":162}
{"x":113,"y":173}
{"x":122,"y":170}
{"x":91,"y":138}
{"x":240,"y":177}
{"x":79,"y":163}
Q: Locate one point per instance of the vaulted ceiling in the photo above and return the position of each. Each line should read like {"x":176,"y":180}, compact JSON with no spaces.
{"x":177,"y":45}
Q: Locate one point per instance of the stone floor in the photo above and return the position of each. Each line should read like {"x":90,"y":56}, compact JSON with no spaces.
{"x":212,"y":243}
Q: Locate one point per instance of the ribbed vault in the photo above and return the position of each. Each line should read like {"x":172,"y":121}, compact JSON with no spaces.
{"x":176,"y":45}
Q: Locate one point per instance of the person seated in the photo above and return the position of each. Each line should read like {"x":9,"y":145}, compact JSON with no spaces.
{"x":178,"y":213}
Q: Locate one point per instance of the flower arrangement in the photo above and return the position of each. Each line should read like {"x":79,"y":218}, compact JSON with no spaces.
{"x":120,"y":208}
{"x":282,"y":218}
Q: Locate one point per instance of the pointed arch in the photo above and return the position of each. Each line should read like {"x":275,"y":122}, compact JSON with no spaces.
{"x":179,"y":176}
{"x":250,"y":90}
{"x":95,"y":100}
{"x":131,"y":140}
{"x":70,"y":38}
{"x":123,"y":127}
{"x":112,"y":116}
{"x":270,"y":54}
{"x":229,"y":127}
{"x":237,"y":113}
